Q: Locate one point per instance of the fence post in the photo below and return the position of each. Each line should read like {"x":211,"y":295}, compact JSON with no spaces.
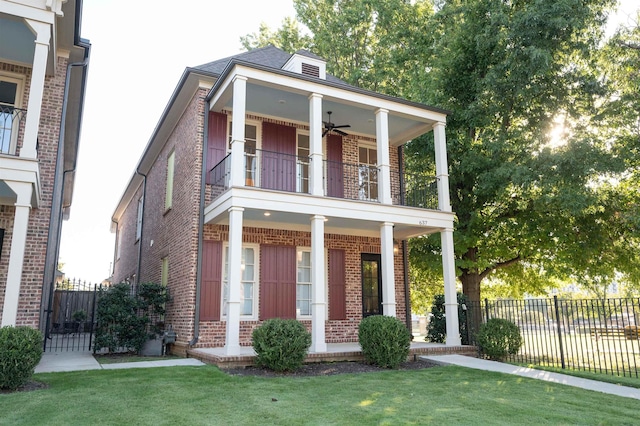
{"x":486,"y":310}
{"x":555,"y":303}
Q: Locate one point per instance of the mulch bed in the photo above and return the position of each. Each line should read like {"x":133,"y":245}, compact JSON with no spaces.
{"x":28,"y":387}
{"x":326,"y":369}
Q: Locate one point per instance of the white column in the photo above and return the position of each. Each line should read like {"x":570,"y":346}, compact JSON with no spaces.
{"x":384,"y":174}
{"x":42,"y":32}
{"x":442,"y":169}
{"x":237,"y":131}
{"x":388,"y":275}
{"x":232,"y":342}
{"x":315,"y":143}
{"x":450,"y":297}
{"x":16,"y":257}
{"x":318,"y":298}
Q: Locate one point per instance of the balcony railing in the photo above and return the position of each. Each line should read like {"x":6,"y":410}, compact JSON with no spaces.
{"x":11,"y":119}
{"x":264,"y":169}
{"x":290,"y":173}
{"x":414,"y":190}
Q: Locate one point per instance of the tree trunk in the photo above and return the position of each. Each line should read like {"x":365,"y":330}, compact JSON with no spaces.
{"x":471,"y":289}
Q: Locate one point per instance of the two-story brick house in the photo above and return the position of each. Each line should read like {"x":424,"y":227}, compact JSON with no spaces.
{"x":43,"y":70}
{"x":270,"y":188}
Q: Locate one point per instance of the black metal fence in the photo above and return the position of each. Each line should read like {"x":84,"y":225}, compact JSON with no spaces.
{"x":597,"y":335}
{"x":71,"y":320}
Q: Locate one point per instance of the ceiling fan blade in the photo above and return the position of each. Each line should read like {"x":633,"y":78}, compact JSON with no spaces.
{"x":325,"y":133}
{"x":340,"y":132}
{"x":342,"y":126}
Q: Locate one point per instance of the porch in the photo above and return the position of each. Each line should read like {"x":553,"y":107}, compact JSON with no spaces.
{"x":335,"y":352}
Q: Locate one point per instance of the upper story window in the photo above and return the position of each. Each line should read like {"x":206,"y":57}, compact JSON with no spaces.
{"x":250,"y":146}
{"x":303,"y":163}
{"x":139,"y":220}
{"x":168,"y":196}
{"x":10,"y":113}
{"x":368,"y":173}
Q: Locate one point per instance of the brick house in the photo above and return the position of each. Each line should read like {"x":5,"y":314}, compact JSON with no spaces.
{"x":270,"y":188}
{"x":43,"y":70}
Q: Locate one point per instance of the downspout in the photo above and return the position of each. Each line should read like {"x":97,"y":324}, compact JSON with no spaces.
{"x":144,"y":199}
{"x":405,"y":257}
{"x":203,"y":186}
{"x":56,"y":216}
{"x":115,"y":248}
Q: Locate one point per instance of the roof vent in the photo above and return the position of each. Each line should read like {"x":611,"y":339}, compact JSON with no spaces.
{"x":307,"y":63}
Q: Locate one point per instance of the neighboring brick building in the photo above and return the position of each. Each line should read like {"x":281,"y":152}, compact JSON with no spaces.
{"x":43,"y":69}
{"x":253,"y":201}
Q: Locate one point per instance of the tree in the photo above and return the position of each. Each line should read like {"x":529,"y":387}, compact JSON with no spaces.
{"x":289,"y":37}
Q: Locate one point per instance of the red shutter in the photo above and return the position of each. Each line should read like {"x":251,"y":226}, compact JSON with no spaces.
{"x":216,"y":140}
{"x":211,"y":281}
{"x":277,"y":282}
{"x":337,"y":290}
{"x":278,"y":157}
{"x":335,"y":181}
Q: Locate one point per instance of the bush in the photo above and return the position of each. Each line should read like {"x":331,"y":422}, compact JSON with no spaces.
{"x":437,"y":329}
{"x":20,"y":353}
{"x":280,"y":344}
{"x":498,"y":338}
{"x":384,"y":340}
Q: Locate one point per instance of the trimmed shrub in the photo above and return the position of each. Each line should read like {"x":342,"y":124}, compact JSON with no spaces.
{"x":384,"y":340}
{"x":20,"y":353}
{"x":280,"y":344}
{"x":498,"y":338}
{"x":437,"y":328}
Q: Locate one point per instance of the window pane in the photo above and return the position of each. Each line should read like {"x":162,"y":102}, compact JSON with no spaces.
{"x":250,"y":132}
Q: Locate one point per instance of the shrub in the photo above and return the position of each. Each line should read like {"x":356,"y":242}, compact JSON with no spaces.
{"x":20,"y":353}
{"x":384,"y":340}
{"x":280,"y":344}
{"x":437,"y":329}
{"x":498,"y":338}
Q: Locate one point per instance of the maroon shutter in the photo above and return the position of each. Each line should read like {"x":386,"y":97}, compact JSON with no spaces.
{"x":335,"y":181}
{"x":216,"y":142}
{"x":277,"y":282}
{"x":211,"y":281}
{"x":278,"y":157}
{"x":337,"y":291}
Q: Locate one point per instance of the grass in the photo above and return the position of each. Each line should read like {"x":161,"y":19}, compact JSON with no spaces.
{"x":205,"y":395}
{"x":631,"y":382}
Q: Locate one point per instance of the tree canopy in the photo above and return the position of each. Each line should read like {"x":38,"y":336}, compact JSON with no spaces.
{"x":543,"y":138}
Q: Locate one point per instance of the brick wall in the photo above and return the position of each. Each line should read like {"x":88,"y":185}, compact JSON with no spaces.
{"x":38,"y":230}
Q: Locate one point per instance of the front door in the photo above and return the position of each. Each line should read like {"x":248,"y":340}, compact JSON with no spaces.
{"x":371,"y":285}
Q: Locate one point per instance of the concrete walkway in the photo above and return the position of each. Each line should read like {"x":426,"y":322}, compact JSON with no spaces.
{"x":77,"y":361}
{"x":486,"y":365}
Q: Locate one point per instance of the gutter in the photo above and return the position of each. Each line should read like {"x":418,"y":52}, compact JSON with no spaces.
{"x":56,"y":216}
{"x":144,"y":199}
{"x":203,"y":186}
{"x":405,"y":246}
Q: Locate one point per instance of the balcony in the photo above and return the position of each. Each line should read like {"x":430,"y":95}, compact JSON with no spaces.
{"x":290,"y":173}
{"x":11,"y":121}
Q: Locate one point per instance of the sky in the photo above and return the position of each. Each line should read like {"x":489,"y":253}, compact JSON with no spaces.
{"x":139,"y":50}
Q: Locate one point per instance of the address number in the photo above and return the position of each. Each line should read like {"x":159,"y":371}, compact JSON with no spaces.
{"x":423,"y":223}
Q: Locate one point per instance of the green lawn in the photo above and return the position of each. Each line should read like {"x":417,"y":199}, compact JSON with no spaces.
{"x":206,"y":396}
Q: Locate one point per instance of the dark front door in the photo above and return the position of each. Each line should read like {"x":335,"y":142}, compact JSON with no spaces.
{"x":371,"y":285}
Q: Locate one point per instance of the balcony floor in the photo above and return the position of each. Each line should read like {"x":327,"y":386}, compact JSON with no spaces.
{"x":335,"y":352}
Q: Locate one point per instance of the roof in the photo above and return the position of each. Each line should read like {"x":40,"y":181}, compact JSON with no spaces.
{"x":269,"y":56}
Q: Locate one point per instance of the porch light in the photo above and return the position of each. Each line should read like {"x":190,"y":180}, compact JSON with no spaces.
{"x":267,"y":214}
{"x":396,"y":246}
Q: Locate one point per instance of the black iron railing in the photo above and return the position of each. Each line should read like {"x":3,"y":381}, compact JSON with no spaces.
{"x":597,"y":335}
{"x":11,"y":119}
{"x":414,"y":190}
{"x":350,"y":181}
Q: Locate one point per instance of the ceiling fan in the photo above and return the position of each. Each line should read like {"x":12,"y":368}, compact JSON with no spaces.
{"x":330,"y":127}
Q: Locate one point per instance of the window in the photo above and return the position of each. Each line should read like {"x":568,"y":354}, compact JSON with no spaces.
{"x":368,"y":173}
{"x":139,"y":221}
{"x":250,"y":146}
{"x":303,"y":164}
{"x":248,"y":286}
{"x":10,"y":113}
{"x":168,"y":198}
{"x":164,"y":272}
{"x":303,"y":283}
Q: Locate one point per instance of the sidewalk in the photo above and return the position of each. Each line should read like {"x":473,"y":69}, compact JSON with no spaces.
{"x":483,"y":364}
{"x":78,"y":361}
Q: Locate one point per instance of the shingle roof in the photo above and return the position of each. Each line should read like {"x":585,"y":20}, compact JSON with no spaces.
{"x":269,"y":56}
